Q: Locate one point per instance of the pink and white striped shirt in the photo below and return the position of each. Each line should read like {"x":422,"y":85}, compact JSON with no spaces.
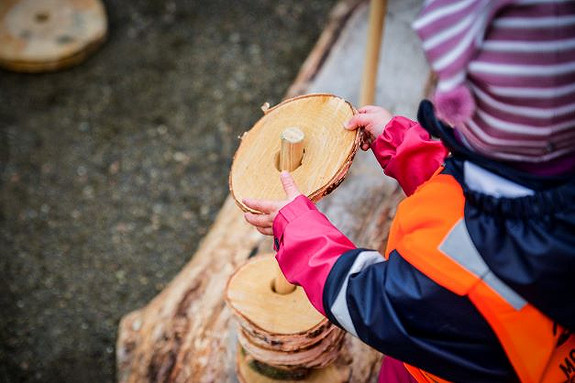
{"x":517,"y":58}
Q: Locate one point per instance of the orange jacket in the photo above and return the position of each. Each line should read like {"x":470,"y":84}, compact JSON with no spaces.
{"x":538,"y":349}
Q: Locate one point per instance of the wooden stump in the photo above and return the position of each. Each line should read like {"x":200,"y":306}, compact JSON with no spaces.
{"x":48,"y":35}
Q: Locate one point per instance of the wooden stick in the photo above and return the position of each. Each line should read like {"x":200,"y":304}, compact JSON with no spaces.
{"x":376,"y":23}
{"x":291,"y":154}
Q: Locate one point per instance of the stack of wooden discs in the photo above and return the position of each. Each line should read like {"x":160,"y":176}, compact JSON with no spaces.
{"x":47,"y":35}
{"x":281,"y":337}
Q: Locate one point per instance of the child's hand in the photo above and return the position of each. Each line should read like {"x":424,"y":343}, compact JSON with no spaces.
{"x":373,"y":120}
{"x":264,"y":222}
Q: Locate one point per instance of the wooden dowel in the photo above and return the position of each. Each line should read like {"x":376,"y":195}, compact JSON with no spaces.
{"x":378,"y":9}
{"x":291,"y":154}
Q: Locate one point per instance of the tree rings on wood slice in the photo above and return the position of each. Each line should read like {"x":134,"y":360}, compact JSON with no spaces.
{"x":328,"y":149}
{"x":47,"y":35}
{"x":250,"y":294}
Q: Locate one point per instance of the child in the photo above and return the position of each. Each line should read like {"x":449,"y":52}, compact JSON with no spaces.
{"x":477,"y":281}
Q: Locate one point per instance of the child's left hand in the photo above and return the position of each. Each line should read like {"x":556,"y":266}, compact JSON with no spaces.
{"x":373,"y":120}
{"x":264,"y":222}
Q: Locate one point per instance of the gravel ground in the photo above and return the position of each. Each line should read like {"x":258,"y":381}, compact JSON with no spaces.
{"x":112,"y":172}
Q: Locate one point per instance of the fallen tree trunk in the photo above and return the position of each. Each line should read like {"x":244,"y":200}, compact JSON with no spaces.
{"x":187,"y":333}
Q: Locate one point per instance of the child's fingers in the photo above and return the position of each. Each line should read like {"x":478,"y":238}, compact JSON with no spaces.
{"x":259,"y":220}
{"x":369,"y":109}
{"x":366,"y":139}
{"x":260,"y":205}
{"x":357,"y":121}
{"x":265,"y":231}
{"x":289,"y":185}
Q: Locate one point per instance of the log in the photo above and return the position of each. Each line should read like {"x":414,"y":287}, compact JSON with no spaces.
{"x":187,"y":333}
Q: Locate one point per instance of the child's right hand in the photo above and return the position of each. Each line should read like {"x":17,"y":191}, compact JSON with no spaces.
{"x":373,"y":120}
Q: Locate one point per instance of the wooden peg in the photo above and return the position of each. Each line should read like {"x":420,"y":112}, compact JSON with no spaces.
{"x":291,"y":154}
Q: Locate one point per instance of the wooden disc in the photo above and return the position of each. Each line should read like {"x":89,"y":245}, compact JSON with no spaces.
{"x":47,"y":35}
{"x":318,"y":355}
{"x":288,"y":343}
{"x":249,"y":293}
{"x":328,"y":149}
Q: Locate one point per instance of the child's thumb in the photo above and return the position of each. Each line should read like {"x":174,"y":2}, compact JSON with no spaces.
{"x":289,"y":185}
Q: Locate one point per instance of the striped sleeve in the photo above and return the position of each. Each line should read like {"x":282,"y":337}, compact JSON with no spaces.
{"x":517,"y":57}
{"x":451,"y":32}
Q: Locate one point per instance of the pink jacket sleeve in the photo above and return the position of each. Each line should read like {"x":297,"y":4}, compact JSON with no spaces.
{"x":407,"y":153}
{"x":308,"y":245}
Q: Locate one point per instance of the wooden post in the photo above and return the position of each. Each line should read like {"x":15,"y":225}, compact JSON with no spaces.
{"x":291,"y":154}
{"x":376,"y":23}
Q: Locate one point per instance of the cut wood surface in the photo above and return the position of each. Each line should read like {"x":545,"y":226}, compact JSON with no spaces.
{"x":39,"y":36}
{"x":186,"y":333}
{"x":329,"y":149}
{"x":250,"y":295}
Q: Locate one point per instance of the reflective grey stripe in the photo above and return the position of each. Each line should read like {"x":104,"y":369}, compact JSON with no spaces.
{"x":505,"y":291}
{"x":459,"y":247}
{"x":339,"y":308}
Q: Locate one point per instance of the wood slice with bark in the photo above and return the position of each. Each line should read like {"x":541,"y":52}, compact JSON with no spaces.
{"x":48,"y":35}
{"x":328,"y":149}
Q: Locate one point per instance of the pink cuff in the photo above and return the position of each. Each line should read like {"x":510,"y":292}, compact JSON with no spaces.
{"x":407,"y":153}
{"x":300,"y":205}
